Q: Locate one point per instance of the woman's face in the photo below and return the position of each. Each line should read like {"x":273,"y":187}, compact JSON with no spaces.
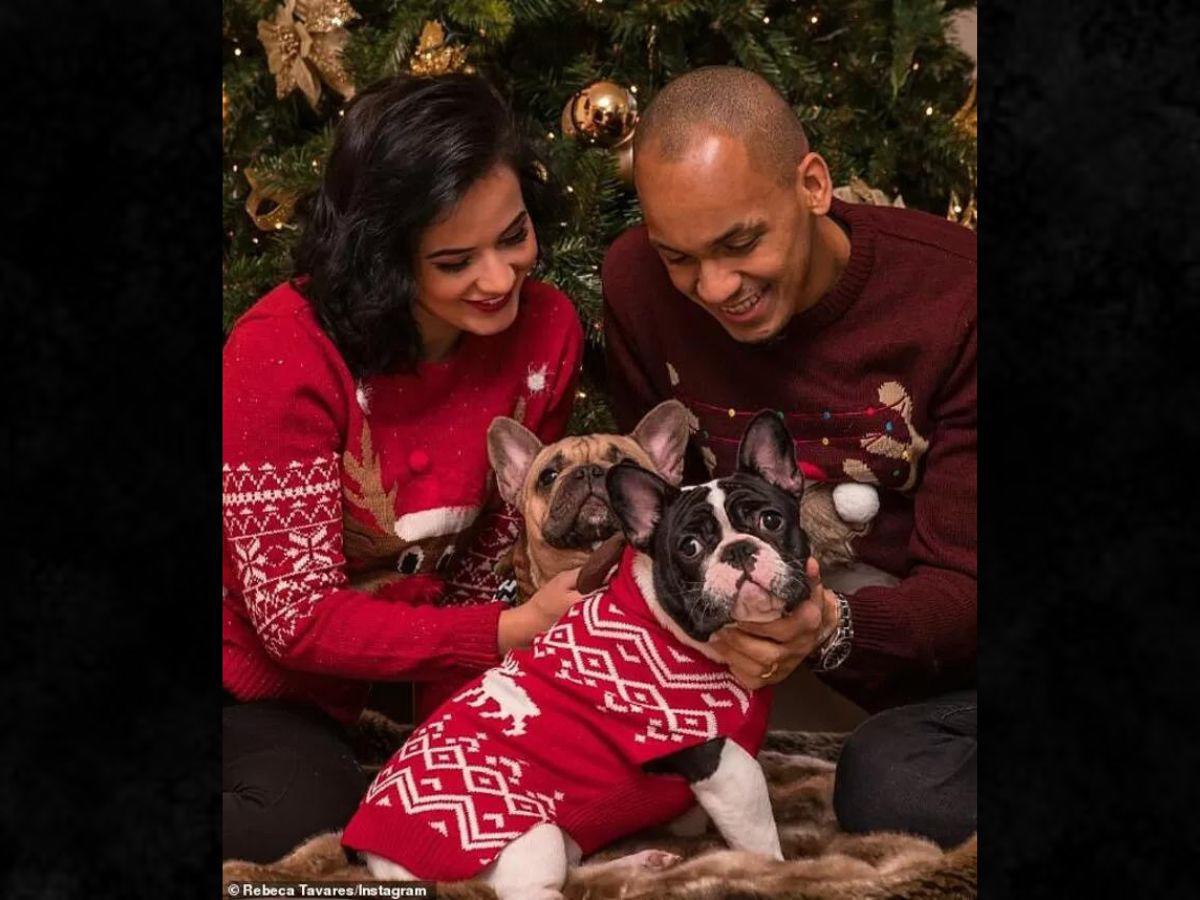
{"x":471,"y":263}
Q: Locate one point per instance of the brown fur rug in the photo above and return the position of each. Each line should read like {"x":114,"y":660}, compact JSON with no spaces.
{"x":820,"y":861}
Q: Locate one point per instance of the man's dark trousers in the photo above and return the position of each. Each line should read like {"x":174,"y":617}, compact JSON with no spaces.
{"x":912,"y":769}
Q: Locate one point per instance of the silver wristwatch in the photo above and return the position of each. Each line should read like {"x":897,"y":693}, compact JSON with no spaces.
{"x":836,"y":648}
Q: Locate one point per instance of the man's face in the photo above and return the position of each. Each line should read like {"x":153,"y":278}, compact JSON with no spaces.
{"x":733,"y":239}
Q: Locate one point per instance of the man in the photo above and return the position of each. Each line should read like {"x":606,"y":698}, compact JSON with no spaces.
{"x":751,"y":287}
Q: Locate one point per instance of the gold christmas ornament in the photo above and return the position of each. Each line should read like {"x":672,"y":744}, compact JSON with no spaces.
{"x":268,"y":208}
{"x":434,"y":56}
{"x":224,"y":108}
{"x":601,"y":114}
{"x":304,"y":44}
{"x":858,"y":191}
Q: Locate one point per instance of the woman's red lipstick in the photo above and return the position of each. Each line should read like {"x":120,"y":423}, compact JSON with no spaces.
{"x":494,"y":305}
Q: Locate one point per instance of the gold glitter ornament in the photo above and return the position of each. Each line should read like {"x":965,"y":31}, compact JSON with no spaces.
{"x":601,"y":114}
{"x":966,"y":120}
{"x":967,"y":215}
{"x":858,"y":191}
{"x":304,"y":47}
{"x":324,"y":16}
{"x":434,"y":56}
{"x":268,"y":208}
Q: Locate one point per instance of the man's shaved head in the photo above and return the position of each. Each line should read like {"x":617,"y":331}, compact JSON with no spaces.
{"x":734,"y":202}
{"x":728,"y":101}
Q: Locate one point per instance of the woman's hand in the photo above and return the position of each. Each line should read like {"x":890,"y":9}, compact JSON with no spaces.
{"x":519,"y":625}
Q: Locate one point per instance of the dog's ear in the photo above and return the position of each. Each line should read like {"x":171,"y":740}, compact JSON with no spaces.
{"x":638,"y":497}
{"x":767,"y":450}
{"x":511,"y":451}
{"x":663,"y":434}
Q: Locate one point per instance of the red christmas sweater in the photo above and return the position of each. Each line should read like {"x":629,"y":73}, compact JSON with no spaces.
{"x":557,"y":733}
{"x":877,"y":383}
{"x":360,"y":530}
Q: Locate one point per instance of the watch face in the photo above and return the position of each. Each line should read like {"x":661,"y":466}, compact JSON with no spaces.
{"x":837,"y":655}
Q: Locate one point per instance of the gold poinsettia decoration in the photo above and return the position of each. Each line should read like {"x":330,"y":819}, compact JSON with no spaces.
{"x":304,"y":44}
{"x":434,"y":56}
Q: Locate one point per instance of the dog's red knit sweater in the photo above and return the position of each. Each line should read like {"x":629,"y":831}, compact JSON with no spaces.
{"x":556,"y":734}
{"x":359,"y":541}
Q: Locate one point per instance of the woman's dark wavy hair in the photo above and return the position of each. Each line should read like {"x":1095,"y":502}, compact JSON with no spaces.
{"x":406,"y":152}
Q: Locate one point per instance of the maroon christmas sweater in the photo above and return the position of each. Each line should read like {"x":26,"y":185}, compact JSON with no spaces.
{"x":360,"y":529}
{"x":877,"y":383}
{"x":557,"y":733}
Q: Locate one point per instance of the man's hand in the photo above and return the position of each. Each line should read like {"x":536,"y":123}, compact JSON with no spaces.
{"x":762,"y":653}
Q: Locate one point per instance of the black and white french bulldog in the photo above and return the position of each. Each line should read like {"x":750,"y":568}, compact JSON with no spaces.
{"x":728,"y":550}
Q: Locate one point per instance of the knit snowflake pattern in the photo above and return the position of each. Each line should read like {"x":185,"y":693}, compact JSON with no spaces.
{"x":282,"y":523}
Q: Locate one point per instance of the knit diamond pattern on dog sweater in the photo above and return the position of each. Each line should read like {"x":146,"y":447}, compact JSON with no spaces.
{"x":557,"y":733}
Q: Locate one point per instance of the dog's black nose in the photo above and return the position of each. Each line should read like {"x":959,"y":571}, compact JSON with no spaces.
{"x":739,"y":553}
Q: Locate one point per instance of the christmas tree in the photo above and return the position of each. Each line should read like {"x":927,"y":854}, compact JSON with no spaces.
{"x":885,"y":98}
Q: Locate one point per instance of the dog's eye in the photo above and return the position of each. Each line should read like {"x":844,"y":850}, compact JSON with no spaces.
{"x":689,"y":548}
{"x":770,"y":520}
{"x":547,"y":477}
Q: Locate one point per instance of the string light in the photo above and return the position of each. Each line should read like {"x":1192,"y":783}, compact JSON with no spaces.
{"x":633,"y":88}
{"x":916,"y":66}
{"x":929,"y":110}
{"x":813,"y":19}
{"x":235,"y":167}
{"x":237,"y":51}
{"x":550,"y":135}
{"x":570,"y":189}
{"x":580,"y":395}
{"x":766,"y":20}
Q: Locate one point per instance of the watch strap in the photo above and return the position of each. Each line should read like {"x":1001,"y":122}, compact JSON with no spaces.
{"x":836,"y":648}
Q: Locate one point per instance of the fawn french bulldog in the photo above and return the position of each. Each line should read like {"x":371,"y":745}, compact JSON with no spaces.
{"x":560,"y":489}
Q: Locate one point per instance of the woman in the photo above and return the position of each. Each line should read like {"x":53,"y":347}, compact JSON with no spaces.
{"x":361,"y":542}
